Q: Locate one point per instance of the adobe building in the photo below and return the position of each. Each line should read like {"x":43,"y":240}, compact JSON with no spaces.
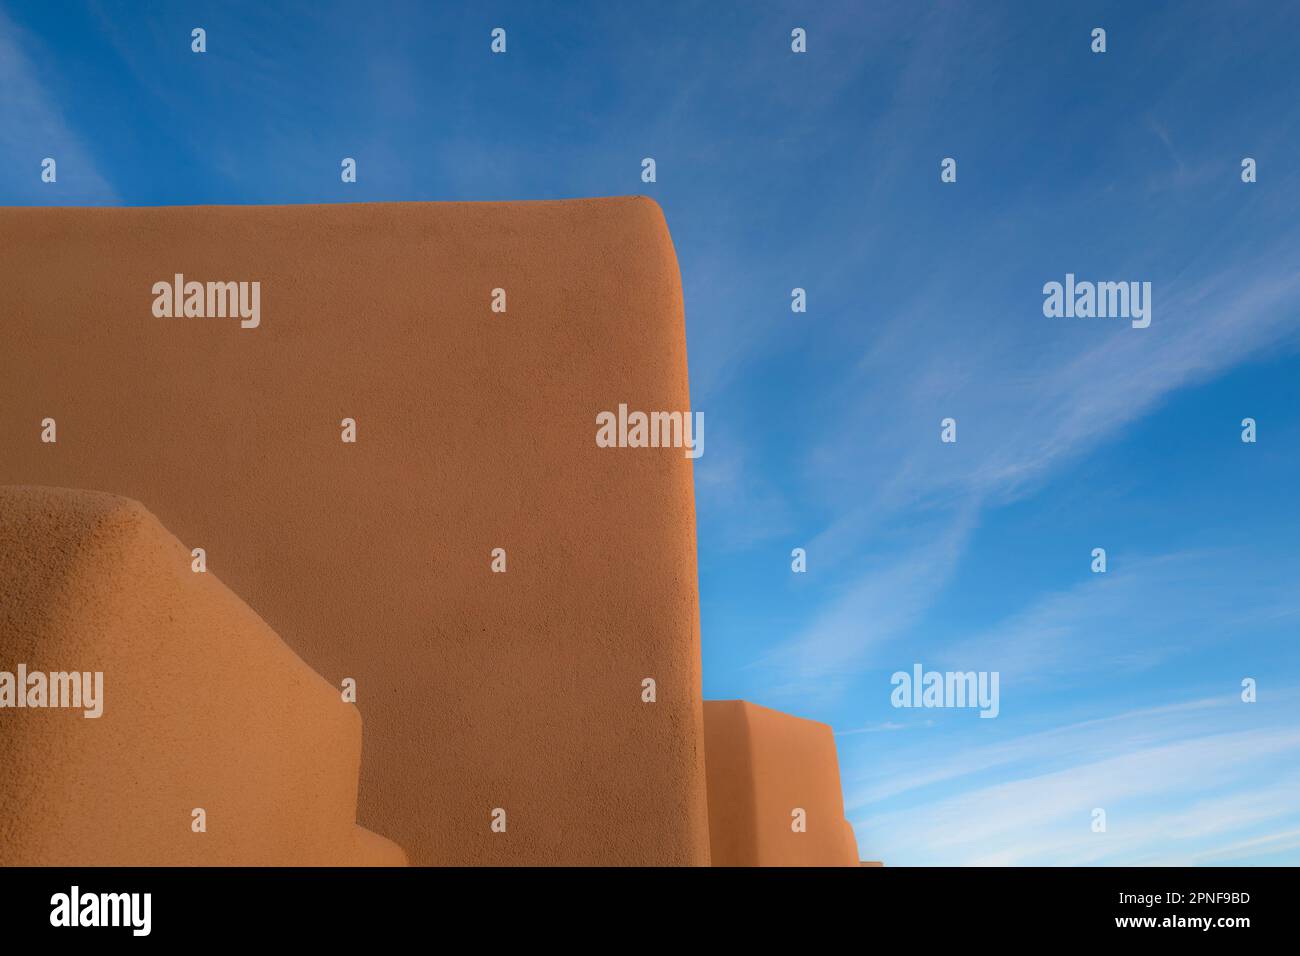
{"x":774,"y":789}
{"x":147,"y":716}
{"x":390,"y":454}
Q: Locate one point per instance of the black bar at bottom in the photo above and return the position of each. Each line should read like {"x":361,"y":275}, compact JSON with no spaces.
{"x":658,"y":907}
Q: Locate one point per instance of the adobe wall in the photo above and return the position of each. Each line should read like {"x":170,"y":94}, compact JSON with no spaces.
{"x":372,"y":560}
{"x":762,"y":766}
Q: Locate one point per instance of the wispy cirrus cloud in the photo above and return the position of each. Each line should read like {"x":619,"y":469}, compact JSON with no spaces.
{"x":1023,"y":419}
{"x":33,"y":126}
{"x":1179,"y":602}
{"x":1168,"y":778}
{"x":879,"y":607}
{"x":882,"y":726}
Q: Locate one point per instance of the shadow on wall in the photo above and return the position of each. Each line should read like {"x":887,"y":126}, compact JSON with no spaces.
{"x":203,"y":741}
{"x":213,"y":744}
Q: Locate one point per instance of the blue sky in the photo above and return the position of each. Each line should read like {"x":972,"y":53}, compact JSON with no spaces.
{"x":776,"y":170}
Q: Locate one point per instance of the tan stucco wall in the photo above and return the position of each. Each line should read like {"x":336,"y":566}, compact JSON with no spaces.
{"x":372,"y":560}
{"x":762,"y":765}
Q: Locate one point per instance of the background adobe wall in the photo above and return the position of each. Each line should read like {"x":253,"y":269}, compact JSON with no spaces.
{"x":762,"y":764}
{"x":372,"y":560}
{"x":202,"y":706}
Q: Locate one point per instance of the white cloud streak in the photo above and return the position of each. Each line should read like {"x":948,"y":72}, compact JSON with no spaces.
{"x":33,"y":127}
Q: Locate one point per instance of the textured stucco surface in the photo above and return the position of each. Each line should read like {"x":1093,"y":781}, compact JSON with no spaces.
{"x":762,"y":764}
{"x":203,"y":707}
{"x":372,"y":560}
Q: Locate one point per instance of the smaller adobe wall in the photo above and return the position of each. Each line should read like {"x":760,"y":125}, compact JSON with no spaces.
{"x":762,"y":766}
{"x":203,"y":706}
